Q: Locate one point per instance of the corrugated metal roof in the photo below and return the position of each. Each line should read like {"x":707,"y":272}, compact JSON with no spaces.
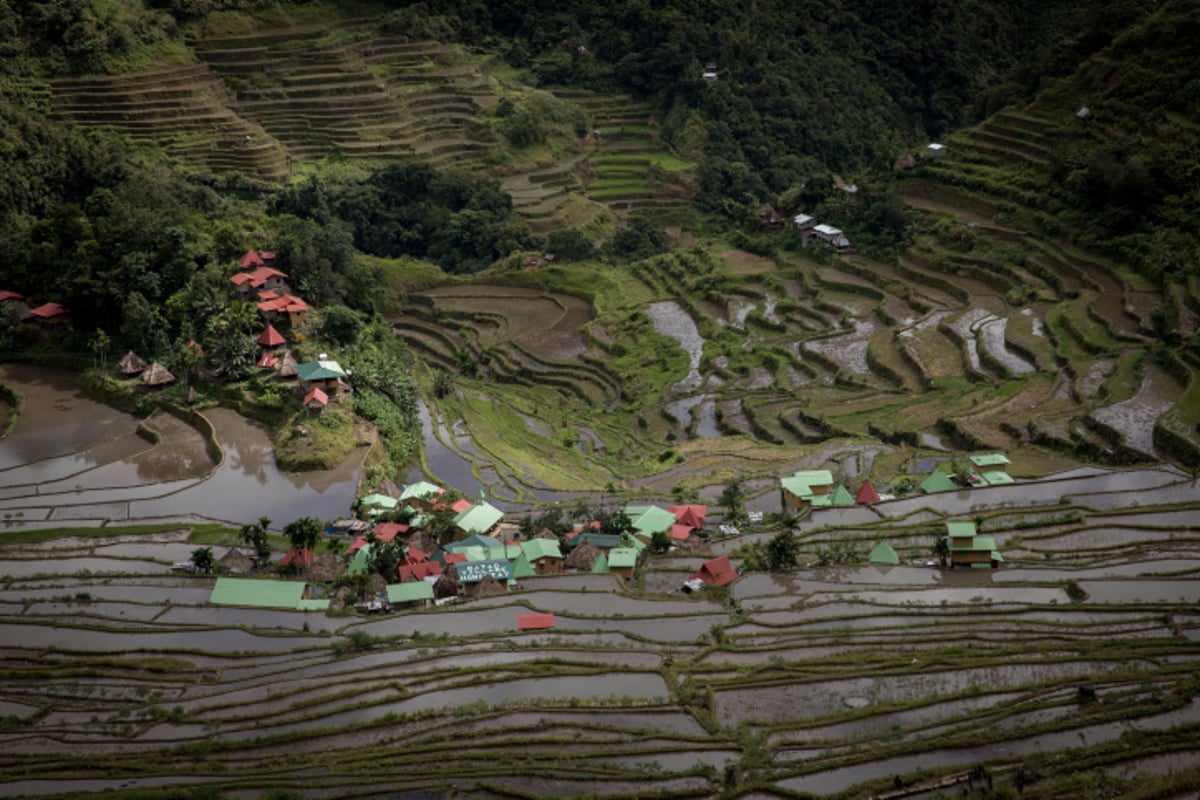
{"x":411,"y":592}
{"x":257,"y":593}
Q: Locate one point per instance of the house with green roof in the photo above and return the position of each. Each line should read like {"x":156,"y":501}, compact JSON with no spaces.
{"x":260,"y":593}
{"x":841,"y":497}
{"x":996,"y":477}
{"x":990,"y":461}
{"x":544,"y":555}
{"x":604,"y":541}
{"x":361,"y":562}
{"x":323,"y":374}
{"x":804,"y":489}
{"x":649,"y":520}
{"x":969,"y":548}
{"x":479,"y":518}
{"x":938,"y":481}
{"x":472,"y":573}
{"x":475,"y":540}
{"x":600,"y":565}
{"x":420,"y":493}
{"x":521,"y":568}
{"x":410,"y":594}
{"x":883,"y":554}
{"x":622,"y":561}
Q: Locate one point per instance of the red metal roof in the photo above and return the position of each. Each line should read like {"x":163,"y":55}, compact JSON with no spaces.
{"x":48,"y":311}
{"x":717,"y":572}
{"x":317,"y":395}
{"x":459,"y":506}
{"x":534,"y":622}
{"x":255,"y":258}
{"x":692,"y":516}
{"x":10,"y":295}
{"x":680,"y":532}
{"x":419,"y":572}
{"x":415,"y":555}
{"x":867,"y":493}
{"x":268,"y":360}
{"x":301,"y":558}
{"x":358,"y":544}
{"x":271,"y":337}
{"x":387,"y":531}
{"x":455,"y":558}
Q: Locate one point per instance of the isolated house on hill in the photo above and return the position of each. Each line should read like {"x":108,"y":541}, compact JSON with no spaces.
{"x":324,"y":374}
{"x":252,"y":259}
{"x":833,"y":237}
{"x":270,"y":338}
{"x":315,"y":402}
{"x":50,"y":315}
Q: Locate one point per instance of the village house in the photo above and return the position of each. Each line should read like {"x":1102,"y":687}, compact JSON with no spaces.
{"x":472,"y":573}
{"x":479,"y":518}
{"x":324,"y":374}
{"x":623,"y":561}
{"x":717,"y":572}
{"x":283,"y":308}
{"x":804,"y":224}
{"x":938,"y":481}
{"x":261,"y":593}
{"x":9,"y":296}
{"x":804,"y":489}
{"x":131,"y":365}
{"x":689,"y":519}
{"x":315,"y":402}
{"x":833,"y":237}
{"x":709,"y":75}
{"x":968,"y":548}
{"x":866,"y":494}
{"x":991,"y":469}
{"x":649,"y":520}
{"x":883,"y":554}
{"x":544,"y":556}
{"x":420,"y":494}
{"x":49,"y":316}
{"x":413,"y":594}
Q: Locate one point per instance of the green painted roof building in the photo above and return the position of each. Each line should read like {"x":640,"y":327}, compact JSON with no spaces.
{"x":990,"y":460}
{"x":622,"y":558}
{"x":480,"y":518}
{"x":258,"y":593}
{"x":410,"y":592}
{"x":649,"y":520}
{"x":883,"y":553}
{"x":938,"y":481}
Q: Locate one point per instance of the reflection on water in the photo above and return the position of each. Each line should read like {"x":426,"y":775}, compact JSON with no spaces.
{"x":670,"y":319}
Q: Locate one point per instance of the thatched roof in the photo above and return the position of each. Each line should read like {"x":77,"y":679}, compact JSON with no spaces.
{"x":582,"y":557}
{"x":236,"y":561}
{"x":131,"y":364}
{"x":446,"y":586}
{"x":546,"y":533}
{"x":326,"y":568}
{"x":286,"y":368}
{"x":157,"y":375}
{"x":489,"y":586}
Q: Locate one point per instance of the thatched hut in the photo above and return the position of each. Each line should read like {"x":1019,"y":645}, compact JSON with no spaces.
{"x":326,"y":568}
{"x":583,"y":557}
{"x":157,"y":375}
{"x":489,"y":587}
{"x":132,"y":364}
{"x":546,"y":533}
{"x":236,"y":561}
{"x":286,"y":368}
{"x":447,"y":585}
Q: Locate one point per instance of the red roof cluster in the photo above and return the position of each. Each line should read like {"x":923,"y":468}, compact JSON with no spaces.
{"x":284,"y":304}
{"x":418,"y":572}
{"x":455,"y":558}
{"x":256,"y":258}
{"x":387,"y":531}
{"x":717,"y":572}
{"x":257,"y":278}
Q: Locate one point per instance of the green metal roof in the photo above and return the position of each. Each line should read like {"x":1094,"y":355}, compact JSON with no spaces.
{"x":814,"y":477}
{"x":820,"y":500}
{"x":602,"y":540}
{"x":475,"y":540}
{"x":475,"y":571}
{"x":257,"y":593}
{"x":410,"y":592}
{"x":521,"y":568}
{"x":938,"y":481}
{"x":997,"y":478}
{"x":379,"y":500}
{"x":842,"y":497}
{"x":883,"y":553}
{"x":600,"y":565}
{"x":541,"y":548}
{"x":418,"y":490}
{"x":319,"y":371}
{"x":359,"y":563}
{"x":801,"y":483}
{"x":474,"y":553}
{"x":479,"y":518}
{"x":648,"y":520}
{"x":957,"y":530}
{"x":990,"y":460}
{"x":981,"y":542}
{"x":621,"y":557}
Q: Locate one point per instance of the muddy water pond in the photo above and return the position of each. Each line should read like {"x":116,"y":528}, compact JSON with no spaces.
{"x":248,"y":485}
{"x":671,"y":320}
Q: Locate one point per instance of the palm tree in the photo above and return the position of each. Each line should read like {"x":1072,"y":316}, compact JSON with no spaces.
{"x":941,"y":549}
{"x":202,"y":560}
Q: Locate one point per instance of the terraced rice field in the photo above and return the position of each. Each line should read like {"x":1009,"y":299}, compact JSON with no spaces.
{"x":850,"y":681}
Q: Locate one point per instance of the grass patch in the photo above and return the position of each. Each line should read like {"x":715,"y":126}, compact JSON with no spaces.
{"x":307,"y":443}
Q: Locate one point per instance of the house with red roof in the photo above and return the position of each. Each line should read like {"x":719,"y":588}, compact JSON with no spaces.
{"x":534,"y":622}
{"x":268,"y":361}
{"x":50,"y":315}
{"x":691,"y":516}
{"x":388,"y":531}
{"x":284,"y":307}
{"x":358,"y":544}
{"x":418,"y":572}
{"x":7,"y":295}
{"x":300,"y":559}
{"x":256,"y":258}
{"x":717,"y":572}
{"x":316,"y":401}
{"x":867,"y":494}
{"x":270,"y":338}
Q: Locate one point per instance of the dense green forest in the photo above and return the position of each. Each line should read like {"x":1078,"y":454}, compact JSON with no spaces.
{"x":124,"y":235}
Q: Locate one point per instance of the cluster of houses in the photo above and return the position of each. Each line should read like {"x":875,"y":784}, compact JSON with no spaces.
{"x":45,"y":317}
{"x":319,"y":381}
{"x":487,"y":556}
{"x":816,"y":488}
